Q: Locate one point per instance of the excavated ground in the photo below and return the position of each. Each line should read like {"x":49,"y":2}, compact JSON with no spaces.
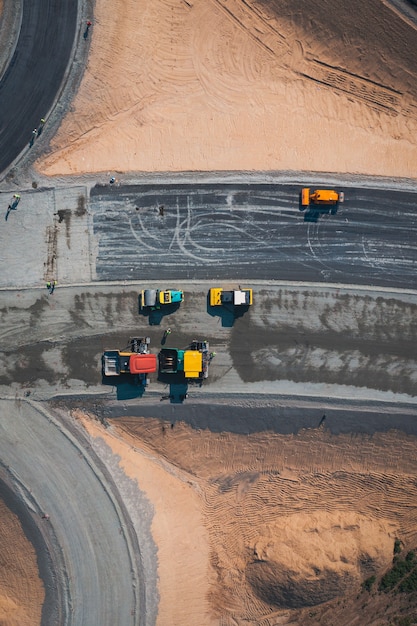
{"x":271,"y":529}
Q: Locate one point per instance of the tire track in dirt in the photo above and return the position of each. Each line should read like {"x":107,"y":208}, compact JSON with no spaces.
{"x":51,"y":272}
{"x":251,"y":20}
{"x":377,"y":96}
{"x":224,"y":77}
{"x":289,"y":509}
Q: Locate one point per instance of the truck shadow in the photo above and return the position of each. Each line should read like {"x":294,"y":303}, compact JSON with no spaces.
{"x":178,"y":391}
{"x":227,"y":314}
{"x":156,"y":317}
{"x":313,"y":214}
{"x":126,"y":389}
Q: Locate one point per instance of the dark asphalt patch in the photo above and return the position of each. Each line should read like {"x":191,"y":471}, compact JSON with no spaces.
{"x":34,"y":76}
{"x":341,"y":339}
{"x":260,"y":413}
{"x":230,"y":231}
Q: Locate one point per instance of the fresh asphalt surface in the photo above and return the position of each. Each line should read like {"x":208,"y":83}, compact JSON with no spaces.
{"x":279,"y":414}
{"x":255,"y":231}
{"x":35,"y":73}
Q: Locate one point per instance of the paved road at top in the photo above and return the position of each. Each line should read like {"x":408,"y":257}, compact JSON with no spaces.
{"x":35,"y":73}
{"x":253,"y":231}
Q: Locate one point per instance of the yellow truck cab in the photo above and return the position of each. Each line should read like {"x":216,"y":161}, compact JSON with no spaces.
{"x":191,"y":363}
{"x":321,"y":196}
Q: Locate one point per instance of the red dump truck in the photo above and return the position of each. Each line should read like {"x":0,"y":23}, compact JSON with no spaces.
{"x":135,"y":360}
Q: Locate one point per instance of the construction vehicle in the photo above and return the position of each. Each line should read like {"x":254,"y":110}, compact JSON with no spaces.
{"x":236,"y":298}
{"x":326,"y":197}
{"x":191,"y":363}
{"x":135,"y":360}
{"x":153,"y":299}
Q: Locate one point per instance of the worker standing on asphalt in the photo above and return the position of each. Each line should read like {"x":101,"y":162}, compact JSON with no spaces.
{"x":50,"y":285}
{"x":13,"y":205}
{"x":40,"y":127}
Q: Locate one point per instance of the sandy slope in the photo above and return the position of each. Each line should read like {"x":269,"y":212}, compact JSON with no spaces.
{"x":225,"y":85}
{"x":267,"y":525}
{"x":21,"y":590}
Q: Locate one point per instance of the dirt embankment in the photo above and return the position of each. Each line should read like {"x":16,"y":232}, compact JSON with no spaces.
{"x":260,"y":85}
{"x":268,"y":528}
{"x":21,"y":590}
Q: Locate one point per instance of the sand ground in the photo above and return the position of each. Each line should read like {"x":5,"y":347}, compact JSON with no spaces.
{"x":212,"y":85}
{"x":257,"y":529}
{"x":21,"y":590}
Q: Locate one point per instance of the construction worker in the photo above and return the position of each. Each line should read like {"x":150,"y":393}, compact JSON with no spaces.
{"x":16,"y":200}
{"x":40,"y":127}
{"x":87,"y":30}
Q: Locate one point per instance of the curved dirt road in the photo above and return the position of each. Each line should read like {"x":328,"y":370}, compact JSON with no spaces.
{"x":99,"y":581}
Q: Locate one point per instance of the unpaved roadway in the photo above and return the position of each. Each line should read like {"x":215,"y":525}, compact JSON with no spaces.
{"x":337,"y":341}
{"x":95,"y":560}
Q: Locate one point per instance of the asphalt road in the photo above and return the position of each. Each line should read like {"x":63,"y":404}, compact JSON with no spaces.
{"x":34,"y":76}
{"x":253,"y":231}
{"x":94,"y":570}
{"x":281,"y":414}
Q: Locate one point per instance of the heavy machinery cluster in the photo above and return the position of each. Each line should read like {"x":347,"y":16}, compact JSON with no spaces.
{"x":189,"y":364}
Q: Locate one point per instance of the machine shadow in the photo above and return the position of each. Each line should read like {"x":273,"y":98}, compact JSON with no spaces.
{"x":314,"y":214}
{"x":178,"y":391}
{"x":126,"y":389}
{"x":155,"y":317}
{"x":227,"y":314}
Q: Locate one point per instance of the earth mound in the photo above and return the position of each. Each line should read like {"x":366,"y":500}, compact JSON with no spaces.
{"x":307,"y":560}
